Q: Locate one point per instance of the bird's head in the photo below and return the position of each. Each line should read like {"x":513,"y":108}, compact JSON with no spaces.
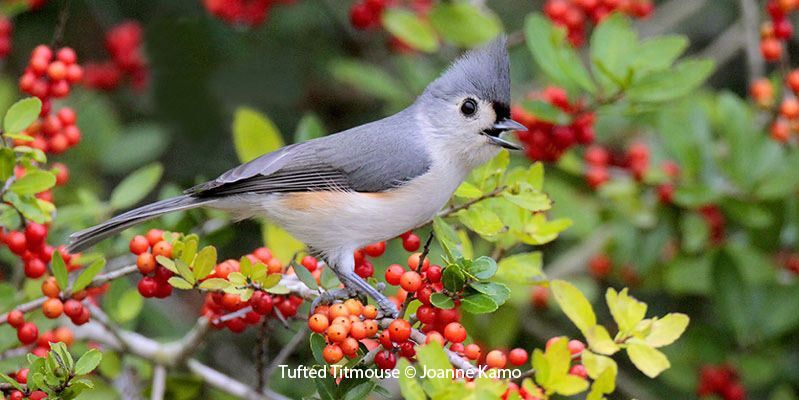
{"x":468,"y":106}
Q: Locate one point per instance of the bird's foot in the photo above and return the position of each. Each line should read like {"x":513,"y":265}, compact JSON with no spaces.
{"x":331,"y":296}
{"x":355,"y":283}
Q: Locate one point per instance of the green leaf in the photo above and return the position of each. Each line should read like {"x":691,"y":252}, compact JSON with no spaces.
{"x":31,"y":208}
{"x":626,"y":310}
{"x":85,"y":278}
{"x":463,"y":24}
{"x":672,"y":83}
{"x":570,"y":385}
{"x":665,"y":331}
{"x":409,"y":387}
{"x":613,"y":45}
{"x":317,"y":348}
{"x":445,"y":234}
{"x":574,"y":304}
{"x":305,"y":276}
{"x":478,"y":303}
{"x":659,"y":52}
{"x":554,"y":56}
{"x":360,"y":391}
{"x":433,"y":357}
{"x":453,"y":278}
{"x":136,"y":186}
{"x":180,"y":283}
{"x":33,"y":182}
{"x":60,"y":271}
{"x":184,"y":271}
{"x":468,"y":191}
{"x":254,"y":134}
{"x":646,"y":358}
{"x":328,"y":279}
{"x":22,"y":114}
{"x":369,"y":79}
{"x":482,"y":268}
{"x":599,"y":340}
{"x":88,"y":362}
{"x":205,"y":262}
{"x":441,"y":300}
{"x":7,"y":162}
{"x":529,"y":199}
{"x":129,"y":306}
{"x":497,"y":291}
{"x":596,"y":364}
{"x":410,"y":29}
{"x":546,"y":112}
{"x":283,"y":245}
{"x":167,"y":263}
{"x":309,"y":127}
{"x":11,"y":381}
{"x":481,"y":220}
{"x":215,"y":284}
{"x":521,"y":267}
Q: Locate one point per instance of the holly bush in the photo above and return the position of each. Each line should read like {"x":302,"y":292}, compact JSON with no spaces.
{"x":642,"y":245}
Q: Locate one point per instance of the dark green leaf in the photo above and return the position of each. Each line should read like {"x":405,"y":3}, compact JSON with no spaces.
{"x":554,"y":55}
{"x":317,"y":347}
{"x":612,"y":46}
{"x":13,"y":382}
{"x":22,"y":114}
{"x":328,"y":279}
{"x":136,"y":186}
{"x":453,"y":279}
{"x":7,"y":162}
{"x":369,"y":79}
{"x":497,"y":291}
{"x":478,"y":303}
{"x":659,"y":52}
{"x":672,"y":83}
{"x":305,"y":276}
{"x":441,"y":300}
{"x":360,"y":391}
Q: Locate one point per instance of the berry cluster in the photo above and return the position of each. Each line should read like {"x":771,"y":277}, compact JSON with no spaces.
{"x":546,"y":141}
{"x":54,"y":306}
{"x":720,"y":380}
{"x":344,"y":325}
{"x":31,"y":247}
{"x":365,"y":269}
{"x":598,"y":160}
{"x":54,"y":133}
{"x":218,"y":305}
{"x":6,"y":28}
{"x":578,"y":15}
{"x":124,"y":44}
{"x":21,"y":377}
{"x":777,"y":31}
{"x":787,"y":120}
{"x":154,"y":281}
{"x":366,"y":15}
{"x":716,"y":222}
{"x":50,"y":75}
{"x":249,"y":13}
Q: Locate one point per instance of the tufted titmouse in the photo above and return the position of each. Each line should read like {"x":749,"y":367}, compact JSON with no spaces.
{"x":366,"y":184}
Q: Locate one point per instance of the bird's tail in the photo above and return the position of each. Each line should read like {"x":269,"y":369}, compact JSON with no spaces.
{"x":84,"y":239}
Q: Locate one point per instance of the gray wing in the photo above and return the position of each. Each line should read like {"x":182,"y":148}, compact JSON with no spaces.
{"x":370,"y":158}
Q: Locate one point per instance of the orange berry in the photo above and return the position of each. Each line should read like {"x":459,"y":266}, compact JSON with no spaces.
{"x":65,"y":335}
{"x":162,"y":248}
{"x":344,"y":321}
{"x":354,"y":306}
{"x":349,"y":347}
{"x":789,"y":108}
{"x":371,"y":327}
{"x":496,"y":359}
{"x":358,"y":330}
{"x":52,"y":308}
{"x":455,"y":332}
{"x":410,"y":281}
{"x":318,"y":323}
{"x":154,"y":236}
{"x":138,"y":244}
{"x":274,"y":266}
{"x":792,"y":80}
{"x":434,"y":337}
{"x":399,"y":330}
{"x":50,"y":287}
{"x":771,"y":48}
{"x":762,"y":92}
{"x":472,"y":351}
{"x":332,"y":353}
{"x":337,"y":332}
{"x":413,"y":261}
{"x":146,"y":263}
{"x":370,"y":312}
{"x":338,"y":310}
{"x":780,"y":131}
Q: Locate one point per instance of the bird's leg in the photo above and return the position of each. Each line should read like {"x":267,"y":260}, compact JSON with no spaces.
{"x":344,"y":267}
{"x":330,"y":297}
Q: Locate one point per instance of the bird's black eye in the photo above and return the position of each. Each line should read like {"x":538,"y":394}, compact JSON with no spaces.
{"x":469,"y":107}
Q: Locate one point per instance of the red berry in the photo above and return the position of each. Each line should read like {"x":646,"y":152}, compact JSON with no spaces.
{"x":410,"y":281}
{"x":27,"y":333}
{"x":139,"y":245}
{"x":399,"y":330}
{"x":73,"y":308}
{"x":16,"y":242}
{"x":365,"y":270}
{"x":771,"y":48}
{"x":394,"y":274}
{"x":309,"y":263}
{"x":385,"y":360}
{"x":600,"y":266}
{"x":375,"y":249}
{"x":15,"y":318}
{"x":518,"y":356}
{"x":261,"y":302}
{"x":455,"y":332}
{"x":332,"y":353}
{"x":22,"y":376}
{"x":361,"y":16}
{"x":426,"y":314}
{"x":472,"y":351}
{"x":147,"y":286}
{"x":578,"y":370}
{"x":35,"y":268}
{"x":576,"y":347}
{"x":35,"y":234}
{"x":411,"y":243}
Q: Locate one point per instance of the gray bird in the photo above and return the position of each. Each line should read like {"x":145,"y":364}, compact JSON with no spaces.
{"x":367,"y":184}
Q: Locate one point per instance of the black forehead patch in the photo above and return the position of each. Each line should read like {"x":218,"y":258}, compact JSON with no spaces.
{"x":502,"y":110}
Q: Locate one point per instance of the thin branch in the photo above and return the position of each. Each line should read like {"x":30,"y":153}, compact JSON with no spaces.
{"x":159,"y":383}
{"x":750,"y":19}
{"x":229,"y":385}
{"x":286,"y":351}
{"x":63,"y":17}
{"x":261,"y":354}
{"x":452,"y":210}
{"x":726,"y":45}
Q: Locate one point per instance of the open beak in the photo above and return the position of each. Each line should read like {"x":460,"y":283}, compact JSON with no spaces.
{"x":500,"y":127}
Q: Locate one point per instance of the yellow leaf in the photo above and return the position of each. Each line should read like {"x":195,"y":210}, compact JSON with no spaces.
{"x":666,"y":330}
{"x":596,"y":364}
{"x":599,"y":340}
{"x":646,"y":358}
{"x":569,"y":385}
{"x":281,"y":243}
{"x":574,"y":304}
{"x":254,"y":134}
{"x":626,"y":310}
{"x":468,"y":191}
